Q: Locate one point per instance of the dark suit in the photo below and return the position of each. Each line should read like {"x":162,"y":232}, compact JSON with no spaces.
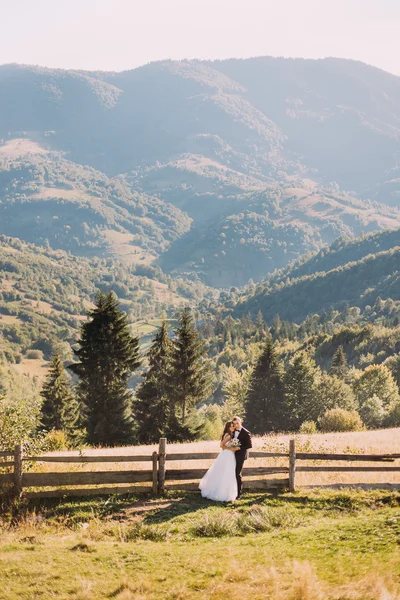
{"x":241,"y":455}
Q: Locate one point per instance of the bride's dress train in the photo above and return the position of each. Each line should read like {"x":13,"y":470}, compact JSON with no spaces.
{"x":219,"y":483}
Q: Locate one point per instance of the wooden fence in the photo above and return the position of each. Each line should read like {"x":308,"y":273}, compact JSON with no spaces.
{"x":161,"y":477}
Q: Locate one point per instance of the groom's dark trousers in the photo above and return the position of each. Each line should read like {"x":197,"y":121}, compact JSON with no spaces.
{"x":241,"y":455}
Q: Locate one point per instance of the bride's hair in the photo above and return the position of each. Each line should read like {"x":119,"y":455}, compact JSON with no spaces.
{"x":226,"y":429}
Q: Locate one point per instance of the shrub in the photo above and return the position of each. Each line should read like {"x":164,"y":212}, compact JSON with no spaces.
{"x":55,"y":440}
{"x":308,"y":427}
{"x":338,"y":419}
{"x":262,"y":518}
{"x":34,"y":354}
{"x":214,"y":524}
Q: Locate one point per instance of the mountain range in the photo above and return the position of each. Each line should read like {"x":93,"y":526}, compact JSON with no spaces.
{"x":221,"y":171}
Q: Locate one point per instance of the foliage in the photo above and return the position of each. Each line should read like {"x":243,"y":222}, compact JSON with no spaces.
{"x":300,"y":389}
{"x":338,"y":419}
{"x":339,"y":363}
{"x":191,"y":375}
{"x":20,"y":404}
{"x":154,"y":410}
{"x":60,"y":409}
{"x":235,"y":388}
{"x":308,"y":427}
{"x":332,"y":392}
{"x":377,"y":380}
{"x":108,"y":355}
{"x":264,"y":404}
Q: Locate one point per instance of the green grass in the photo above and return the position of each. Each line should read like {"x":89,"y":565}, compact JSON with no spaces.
{"x":302,"y":546}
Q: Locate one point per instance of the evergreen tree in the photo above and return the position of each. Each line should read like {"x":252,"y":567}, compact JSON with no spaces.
{"x":300,"y":390}
{"x":108,"y":355}
{"x":60,"y":409}
{"x":339,"y":363}
{"x":191,"y":375}
{"x":265,"y":401}
{"x":153,"y":408}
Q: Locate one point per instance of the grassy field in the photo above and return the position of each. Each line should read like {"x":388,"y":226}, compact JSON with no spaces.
{"x":314,"y":544}
{"x":304,"y":546}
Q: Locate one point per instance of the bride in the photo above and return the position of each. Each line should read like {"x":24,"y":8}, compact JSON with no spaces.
{"x":219,"y":483}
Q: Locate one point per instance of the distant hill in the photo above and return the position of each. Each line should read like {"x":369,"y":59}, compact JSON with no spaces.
{"x":45,"y":295}
{"x":350,"y":273}
{"x":226,"y":169}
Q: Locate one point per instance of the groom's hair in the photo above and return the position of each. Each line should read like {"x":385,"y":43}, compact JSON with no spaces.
{"x":237,"y":419}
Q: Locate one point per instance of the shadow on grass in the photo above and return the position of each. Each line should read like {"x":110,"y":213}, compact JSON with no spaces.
{"x":172,"y":505}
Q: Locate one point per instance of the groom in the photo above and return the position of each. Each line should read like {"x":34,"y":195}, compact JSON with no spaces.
{"x":241,"y":455}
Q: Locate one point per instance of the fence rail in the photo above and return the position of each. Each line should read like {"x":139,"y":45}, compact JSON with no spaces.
{"x":160,"y":477}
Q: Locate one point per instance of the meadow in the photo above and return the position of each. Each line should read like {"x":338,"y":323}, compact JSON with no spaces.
{"x":313,"y":544}
{"x":302,"y":546}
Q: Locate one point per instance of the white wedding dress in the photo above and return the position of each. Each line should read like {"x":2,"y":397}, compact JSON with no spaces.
{"x":219,"y":483}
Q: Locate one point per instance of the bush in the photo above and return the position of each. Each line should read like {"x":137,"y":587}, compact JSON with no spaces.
{"x":308,"y":427}
{"x":55,"y":440}
{"x":262,"y":518}
{"x":214,"y":524}
{"x":34,"y":354}
{"x":338,"y":419}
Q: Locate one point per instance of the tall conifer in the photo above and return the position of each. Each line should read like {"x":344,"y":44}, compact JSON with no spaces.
{"x":300,"y":383}
{"x":191,"y":375}
{"x":108,"y":355}
{"x":339,"y":363}
{"x":265,"y":402}
{"x":153,"y":407}
{"x":60,"y":409}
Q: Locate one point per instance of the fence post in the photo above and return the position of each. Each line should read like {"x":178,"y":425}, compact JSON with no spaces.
{"x":18,"y":469}
{"x":155,"y":471}
{"x":292,"y":465}
{"x":162,"y":452}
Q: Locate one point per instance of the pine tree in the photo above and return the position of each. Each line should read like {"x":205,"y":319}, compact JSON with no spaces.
{"x":339,"y":363}
{"x":265,"y":401}
{"x":300,"y":382}
{"x":153,"y":408}
{"x":60,"y":409}
{"x":108,"y":355}
{"x":191,"y":375}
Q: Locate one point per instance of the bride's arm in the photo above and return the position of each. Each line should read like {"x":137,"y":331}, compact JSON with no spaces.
{"x":225,"y":440}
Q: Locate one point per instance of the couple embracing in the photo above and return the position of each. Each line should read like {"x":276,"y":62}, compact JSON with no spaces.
{"x":223,"y":481}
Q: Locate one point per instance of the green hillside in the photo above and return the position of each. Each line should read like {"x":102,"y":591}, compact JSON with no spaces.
{"x":45,"y":295}
{"x":330,"y":279}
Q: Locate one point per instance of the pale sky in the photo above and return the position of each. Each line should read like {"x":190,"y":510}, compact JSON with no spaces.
{"x":123,"y":34}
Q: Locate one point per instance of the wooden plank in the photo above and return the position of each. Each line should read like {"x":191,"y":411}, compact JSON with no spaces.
{"x":264,"y":484}
{"x":193,"y":456}
{"x":81,"y":492}
{"x":213,"y":455}
{"x":18,"y":456}
{"x":93,"y":477}
{"x":182,"y":474}
{"x":7,"y":453}
{"x":155,"y":473}
{"x":268,"y":454}
{"x":90,"y":459}
{"x":7,"y":478}
{"x":162,"y":450}
{"x":348,"y":457}
{"x":348,"y":469}
{"x":292,"y":465}
{"x":6,"y":464}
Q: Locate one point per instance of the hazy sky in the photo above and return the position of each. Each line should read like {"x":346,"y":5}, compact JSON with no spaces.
{"x":122,"y":34}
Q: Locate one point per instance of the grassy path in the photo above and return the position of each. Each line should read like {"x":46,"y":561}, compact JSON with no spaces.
{"x":293,"y":547}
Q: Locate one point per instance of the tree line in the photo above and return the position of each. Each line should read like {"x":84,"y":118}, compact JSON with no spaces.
{"x":274,"y":388}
